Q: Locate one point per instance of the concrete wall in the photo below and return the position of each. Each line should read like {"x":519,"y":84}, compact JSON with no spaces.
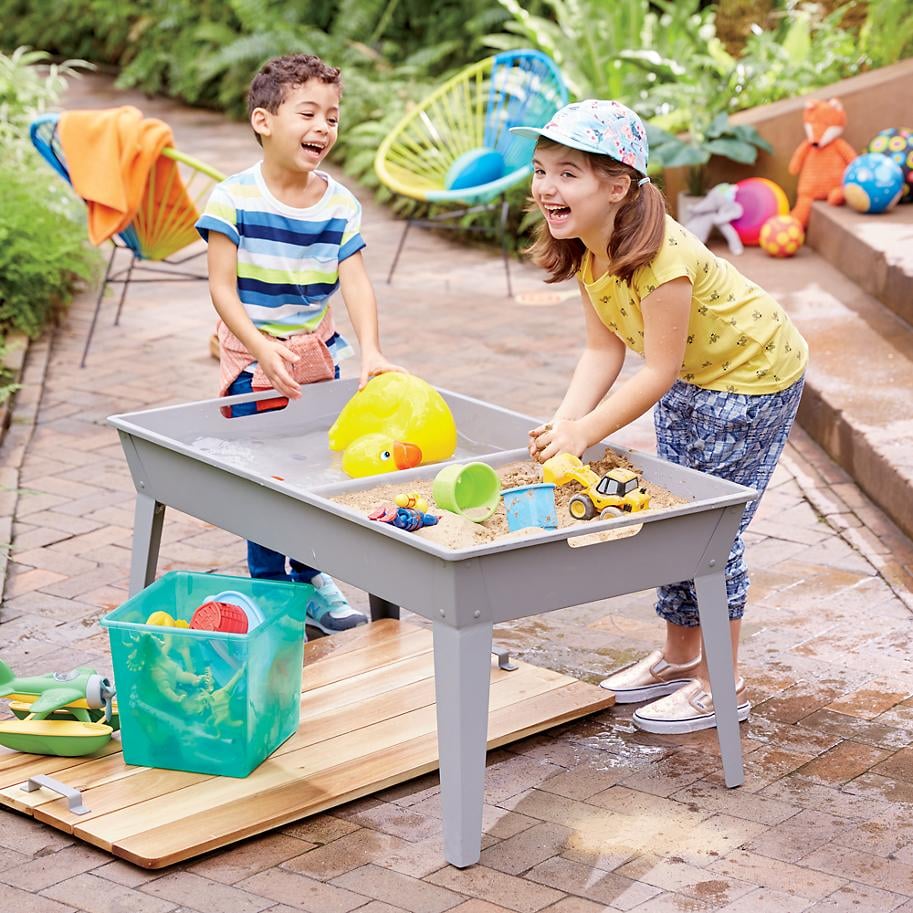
{"x":873,"y":101}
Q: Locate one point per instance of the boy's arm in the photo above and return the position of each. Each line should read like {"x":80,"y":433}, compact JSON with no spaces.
{"x":361,"y":304}
{"x":222,"y":260}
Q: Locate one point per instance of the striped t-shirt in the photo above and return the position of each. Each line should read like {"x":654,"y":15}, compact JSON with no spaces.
{"x":288,"y":258}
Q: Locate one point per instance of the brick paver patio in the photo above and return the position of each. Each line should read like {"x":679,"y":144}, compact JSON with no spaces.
{"x":592,"y":816}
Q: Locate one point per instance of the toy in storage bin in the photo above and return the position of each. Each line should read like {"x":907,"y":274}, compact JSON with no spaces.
{"x":204,"y":701}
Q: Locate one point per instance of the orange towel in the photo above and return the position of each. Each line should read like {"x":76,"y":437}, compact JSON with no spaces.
{"x":109,"y":154}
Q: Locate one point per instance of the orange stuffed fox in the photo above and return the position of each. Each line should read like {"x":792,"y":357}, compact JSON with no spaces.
{"x":821,"y":158}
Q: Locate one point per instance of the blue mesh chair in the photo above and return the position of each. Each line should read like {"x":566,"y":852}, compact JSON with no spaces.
{"x":455,"y":147}
{"x":154,"y":235}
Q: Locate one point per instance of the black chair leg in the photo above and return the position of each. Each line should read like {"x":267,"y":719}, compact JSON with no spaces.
{"x":101,"y":293}
{"x":123,"y":294}
{"x":399,"y":250}
{"x":505,"y":209}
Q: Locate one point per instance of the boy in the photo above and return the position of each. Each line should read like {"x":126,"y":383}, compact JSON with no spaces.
{"x":282,"y":238}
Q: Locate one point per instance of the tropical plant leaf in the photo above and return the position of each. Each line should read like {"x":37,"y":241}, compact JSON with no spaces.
{"x":682,"y":155}
{"x":733,"y":149}
{"x":652,"y":62}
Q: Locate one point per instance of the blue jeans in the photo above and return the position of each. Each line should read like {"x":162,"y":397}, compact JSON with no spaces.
{"x":733,"y":436}
{"x":263,"y":562}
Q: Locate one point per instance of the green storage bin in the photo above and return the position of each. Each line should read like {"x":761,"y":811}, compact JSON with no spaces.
{"x":203,"y":701}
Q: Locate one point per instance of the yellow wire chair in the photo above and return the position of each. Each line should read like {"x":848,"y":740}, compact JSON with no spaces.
{"x":156,"y":232}
{"x":455,"y":147}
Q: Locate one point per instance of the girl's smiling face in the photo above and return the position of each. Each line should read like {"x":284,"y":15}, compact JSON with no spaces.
{"x":576,"y":200}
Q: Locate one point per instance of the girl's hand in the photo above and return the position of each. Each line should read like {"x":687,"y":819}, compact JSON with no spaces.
{"x":373,"y":364}
{"x":275,"y":359}
{"x":561,"y":436}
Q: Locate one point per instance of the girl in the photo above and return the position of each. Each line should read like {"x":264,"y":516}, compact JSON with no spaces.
{"x":722,"y":364}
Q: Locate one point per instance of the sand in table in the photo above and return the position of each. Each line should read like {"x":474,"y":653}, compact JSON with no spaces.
{"x":457,"y":532}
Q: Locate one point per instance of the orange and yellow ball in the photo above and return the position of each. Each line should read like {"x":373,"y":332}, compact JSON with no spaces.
{"x":781,"y":236}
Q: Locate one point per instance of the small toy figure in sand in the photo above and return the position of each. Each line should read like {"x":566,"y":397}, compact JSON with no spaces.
{"x":408,"y":518}
{"x":618,"y":492}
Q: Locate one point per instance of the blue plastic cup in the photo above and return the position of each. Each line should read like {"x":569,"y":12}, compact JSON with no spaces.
{"x":530,"y":505}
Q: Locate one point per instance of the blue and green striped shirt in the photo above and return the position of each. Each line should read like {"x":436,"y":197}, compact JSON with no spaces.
{"x":288,"y":258}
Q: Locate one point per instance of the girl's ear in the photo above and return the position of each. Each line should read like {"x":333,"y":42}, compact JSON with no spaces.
{"x":260,"y":121}
{"x":619,"y":185}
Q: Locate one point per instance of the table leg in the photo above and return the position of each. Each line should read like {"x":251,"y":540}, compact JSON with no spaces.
{"x":462,"y":671}
{"x":147,"y":536}
{"x":381,"y":608}
{"x":714,"y":615}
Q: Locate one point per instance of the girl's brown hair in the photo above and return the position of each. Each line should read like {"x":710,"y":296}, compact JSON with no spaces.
{"x":636,"y":237}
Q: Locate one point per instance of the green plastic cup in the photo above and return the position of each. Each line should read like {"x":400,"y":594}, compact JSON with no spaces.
{"x":472,"y":490}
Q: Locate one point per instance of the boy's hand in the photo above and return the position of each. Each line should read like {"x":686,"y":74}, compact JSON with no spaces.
{"x":560,"y":436}
{"x":274,"y":359}
{"x":373,"y":364}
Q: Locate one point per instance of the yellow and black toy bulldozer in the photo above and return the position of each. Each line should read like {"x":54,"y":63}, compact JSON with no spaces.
{"x":616,"y":493}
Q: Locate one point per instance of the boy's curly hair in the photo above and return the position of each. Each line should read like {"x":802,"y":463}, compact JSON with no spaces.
{"x":270,"y":86}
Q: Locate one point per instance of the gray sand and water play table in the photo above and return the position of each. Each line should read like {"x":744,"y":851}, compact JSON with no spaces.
{"x":270,"y":478}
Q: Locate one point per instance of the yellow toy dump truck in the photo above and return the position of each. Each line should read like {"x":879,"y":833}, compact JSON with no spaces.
{"x":616,"y":493}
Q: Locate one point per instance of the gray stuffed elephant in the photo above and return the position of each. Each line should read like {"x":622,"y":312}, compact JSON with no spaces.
{"x":716,"y":210}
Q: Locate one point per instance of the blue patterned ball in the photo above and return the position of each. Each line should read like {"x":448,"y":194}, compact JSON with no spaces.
{"x":872,"y":183}
{"x":897,"y":144}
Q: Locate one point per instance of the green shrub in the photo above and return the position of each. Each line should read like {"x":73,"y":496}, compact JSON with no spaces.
{"x":43,"y":250}
{"x":44,"y":253}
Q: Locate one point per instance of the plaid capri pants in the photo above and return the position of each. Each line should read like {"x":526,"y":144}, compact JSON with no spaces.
{"x":733,"y":436}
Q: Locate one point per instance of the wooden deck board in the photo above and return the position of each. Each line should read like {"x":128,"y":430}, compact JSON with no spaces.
{"x":367,"y":722}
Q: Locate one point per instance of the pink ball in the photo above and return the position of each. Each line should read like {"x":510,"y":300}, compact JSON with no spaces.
{"x":760,"y":199}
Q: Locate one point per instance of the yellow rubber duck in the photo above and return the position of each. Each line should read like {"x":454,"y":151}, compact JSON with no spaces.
{"x":396,"y":422}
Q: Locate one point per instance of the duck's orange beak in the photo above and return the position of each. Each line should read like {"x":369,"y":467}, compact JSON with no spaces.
{"x":405,"y":456}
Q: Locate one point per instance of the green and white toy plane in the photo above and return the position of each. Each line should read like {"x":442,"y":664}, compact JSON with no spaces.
{"x":59,"y":713}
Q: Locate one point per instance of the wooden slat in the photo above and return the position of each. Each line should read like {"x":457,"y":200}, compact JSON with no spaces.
{"x":372,"y":635}
{"x":167,"y":844}
{"x":338,"y":667}
{"x":373,"y":685}
{"x":354,"y":743}
{"x":31,"y":764}
{"x":368,"y":721}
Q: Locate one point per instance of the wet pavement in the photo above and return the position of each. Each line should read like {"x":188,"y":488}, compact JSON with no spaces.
{"x":590,"y":816}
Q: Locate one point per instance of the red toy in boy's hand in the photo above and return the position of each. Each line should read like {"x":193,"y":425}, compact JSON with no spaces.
{"x":224,"y":617}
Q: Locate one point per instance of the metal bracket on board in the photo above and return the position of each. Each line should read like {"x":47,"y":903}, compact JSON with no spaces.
{"x":504,"y":659}
{"x":73,"y":796}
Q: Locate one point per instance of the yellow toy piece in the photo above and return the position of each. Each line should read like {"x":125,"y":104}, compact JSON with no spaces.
{"x":396,"y":422}
{"x":413,"y":500}
{"x":616,"y":493}
{"x":166,"y":621}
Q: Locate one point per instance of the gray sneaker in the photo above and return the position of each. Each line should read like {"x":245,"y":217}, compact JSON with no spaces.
{"x":328,"y":610}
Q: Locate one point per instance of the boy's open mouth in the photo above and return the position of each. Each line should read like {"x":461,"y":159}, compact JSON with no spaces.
{"x":555,"y":213}
{"x":313,"y":148}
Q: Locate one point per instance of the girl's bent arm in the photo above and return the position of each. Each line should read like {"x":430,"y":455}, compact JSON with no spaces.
{"x":597,"y":368}
{"x":666,"y":314}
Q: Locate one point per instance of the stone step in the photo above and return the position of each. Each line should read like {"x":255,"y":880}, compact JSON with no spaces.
{"x":858,"y":400}
{"x":875,"y":251}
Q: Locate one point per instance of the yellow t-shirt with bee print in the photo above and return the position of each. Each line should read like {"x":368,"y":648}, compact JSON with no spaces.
{"x":739,"y":339}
